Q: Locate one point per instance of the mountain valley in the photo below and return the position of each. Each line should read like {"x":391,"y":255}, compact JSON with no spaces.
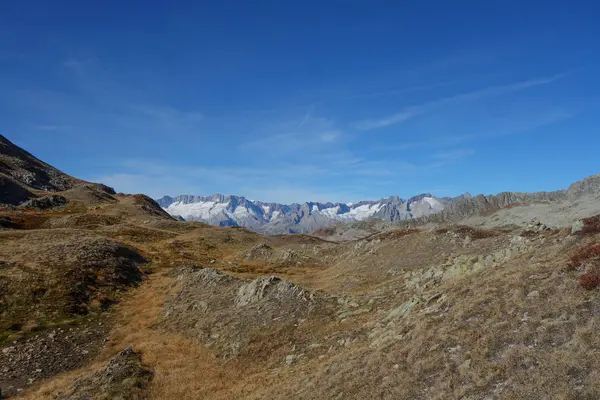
{"x":106,"y":295}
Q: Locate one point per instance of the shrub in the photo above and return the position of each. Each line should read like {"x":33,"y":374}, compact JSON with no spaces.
{"x":591,"y":225}
{"x":583,"y":254}
{"x":590,"y":279}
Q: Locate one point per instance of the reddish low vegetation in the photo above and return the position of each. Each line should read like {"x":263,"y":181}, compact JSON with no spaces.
{"x":590,"y":252}
{"x":588,"y":257}
{"x":590,"y":280}
{"x":591,"y":225}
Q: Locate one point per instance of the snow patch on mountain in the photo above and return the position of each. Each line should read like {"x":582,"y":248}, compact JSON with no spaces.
{"x":204,"y":210}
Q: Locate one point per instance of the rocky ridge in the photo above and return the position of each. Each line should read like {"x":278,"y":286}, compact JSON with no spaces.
{"x":18,"y":168}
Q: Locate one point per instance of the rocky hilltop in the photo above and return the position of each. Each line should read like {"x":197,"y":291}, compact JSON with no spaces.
{"x":24,"y":177}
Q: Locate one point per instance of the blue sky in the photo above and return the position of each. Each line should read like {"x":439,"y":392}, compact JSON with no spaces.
{"x":315,"y":100}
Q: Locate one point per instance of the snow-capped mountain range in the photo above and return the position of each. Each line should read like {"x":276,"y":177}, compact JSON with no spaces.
{"x":229,"y":210}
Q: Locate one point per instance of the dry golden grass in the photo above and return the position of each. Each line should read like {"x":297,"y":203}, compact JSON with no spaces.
{"x":183,"y":369}
{"x":523,"y":331}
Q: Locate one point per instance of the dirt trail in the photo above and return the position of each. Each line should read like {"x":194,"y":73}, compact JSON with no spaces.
{"x":182,"y":368}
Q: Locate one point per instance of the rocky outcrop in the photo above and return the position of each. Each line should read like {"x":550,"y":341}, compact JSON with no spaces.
{"x":231,"y":316}
{"x":125,"y":377}
{"x":269,"y":287}
{"x":26,"y":169}
{"x":586,"y":226}
{"x":260,"y":251}
{"x":469,"y":206}
{"x":45,"y":202}
{"x":149,"y":206}
{"x":589,"y":186}
{"x":12,"y":192}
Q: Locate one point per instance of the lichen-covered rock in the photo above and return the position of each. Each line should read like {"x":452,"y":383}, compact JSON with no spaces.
{"x":125,"y":377}
{"x":260,"y":251}
{"x":269,"y":286}
{"x":231,"y":316}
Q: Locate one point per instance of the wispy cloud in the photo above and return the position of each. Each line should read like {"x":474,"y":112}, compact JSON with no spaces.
{"x":52,"y":128}
{"x":395,"y":92}
{"x":331,"y":136}
{"x":369,"y":124}
{"x":169,"y":113}
{"x":495,"y":128}
{"x":333,"y":177}
{"x":306,"y":116}
{"x":98,"y":99}
{"x":78,"y":66}
{"x":268,"y":183}
{"x":452,"y":155}
{"x":413,"y":111}
{"x":313,"y":135}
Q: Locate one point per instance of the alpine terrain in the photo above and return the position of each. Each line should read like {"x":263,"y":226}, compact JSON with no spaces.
{"x":105,"y":295}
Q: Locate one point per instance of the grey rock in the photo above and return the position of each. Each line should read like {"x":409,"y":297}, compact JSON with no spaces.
{"x":464,"y":367}
{"x":291,"y":359}
{"x":45,"y":202}
{"x":404,"y":309}
{"x":577,"y":227}
{"x":270,"y":286}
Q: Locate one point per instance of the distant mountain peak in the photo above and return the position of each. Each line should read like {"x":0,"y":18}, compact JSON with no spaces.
{"x":233,"y":210}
